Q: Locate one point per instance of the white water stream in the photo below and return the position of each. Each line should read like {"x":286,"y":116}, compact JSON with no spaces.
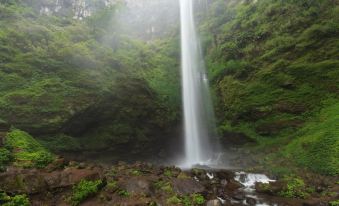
{"x":198,"y":113}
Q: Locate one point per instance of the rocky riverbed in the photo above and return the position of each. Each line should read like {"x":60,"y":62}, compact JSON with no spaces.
{"x":147,"y":184}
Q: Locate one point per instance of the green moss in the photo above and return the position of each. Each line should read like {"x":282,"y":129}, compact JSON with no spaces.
{"x":84,"y":190}
{"x":164,"y":186}
{"x":27,"y":151}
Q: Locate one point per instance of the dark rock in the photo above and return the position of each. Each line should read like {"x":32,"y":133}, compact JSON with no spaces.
{"x":233,"y":185}
{"x":239,"y":196}
{"x":187,"y":186}
{"x":292,"y":108}
{"x":277,"y":126}
{"x":251,"y":201}
{"x":235,"y":138}
{"x":255,"y":114}
{"x":272,"y":188}
{"x":287,"y":85}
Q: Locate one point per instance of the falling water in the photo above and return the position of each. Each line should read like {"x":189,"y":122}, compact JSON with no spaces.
{"x":198,"y":112}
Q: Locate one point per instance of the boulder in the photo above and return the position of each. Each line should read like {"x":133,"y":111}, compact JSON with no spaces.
{"x":136,"y":185}
{"x":187,"y":186}
{"x":70,"y":176}
{"x":32,"y":181}
{"x":22,"y":181}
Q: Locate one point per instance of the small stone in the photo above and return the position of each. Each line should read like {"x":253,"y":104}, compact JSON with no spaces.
{"x":213,"y":203}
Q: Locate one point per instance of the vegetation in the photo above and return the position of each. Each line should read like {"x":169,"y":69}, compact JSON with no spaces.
{"x":85,"y":189}
{"x":274,"y":67}
{"x":17,"y":200}
{"x":56,"y":72}
{"x":295,"y":188}
{"x":27,"y":152}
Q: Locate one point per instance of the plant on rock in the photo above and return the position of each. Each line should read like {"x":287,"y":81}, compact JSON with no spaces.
{"x":83,"y":190}
{"x":17,"y":200}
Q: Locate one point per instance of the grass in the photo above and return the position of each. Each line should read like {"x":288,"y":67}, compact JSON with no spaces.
{"x":317,"y":144}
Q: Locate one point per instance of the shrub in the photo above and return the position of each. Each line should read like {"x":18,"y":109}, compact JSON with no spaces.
{"x":42,"y":159}
{"x":28,"y":151}
{"x":334,"y":203}
{"x":295,"y":188}
{"x":83,"y":190}
{"x":17,"y":200}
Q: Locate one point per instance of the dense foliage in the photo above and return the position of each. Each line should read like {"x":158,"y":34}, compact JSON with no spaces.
{"x":89,"y":85}
{"x":274,"y":66}
{"x":65,"y":77}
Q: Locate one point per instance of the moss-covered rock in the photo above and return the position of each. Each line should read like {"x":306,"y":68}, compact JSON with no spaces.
{"x":27,"y":151}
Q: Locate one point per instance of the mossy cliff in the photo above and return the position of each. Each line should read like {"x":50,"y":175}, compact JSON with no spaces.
{"x":275,"y":74}
{"x":66,"y":77}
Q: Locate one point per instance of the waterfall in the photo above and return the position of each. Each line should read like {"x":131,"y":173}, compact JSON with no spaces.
{"x":198,"y":112}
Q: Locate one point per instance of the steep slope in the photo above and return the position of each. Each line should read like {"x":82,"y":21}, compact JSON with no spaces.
{"x":61,"y":76}
{"x":274,"y":66}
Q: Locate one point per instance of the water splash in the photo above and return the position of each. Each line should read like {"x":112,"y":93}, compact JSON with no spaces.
{"x":199,"y":120}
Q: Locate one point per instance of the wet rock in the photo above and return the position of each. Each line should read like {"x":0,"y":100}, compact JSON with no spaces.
{"x":251,"y":201}
{"x":233,"y":185}
{"x":187,"y":186}
{"x":314,"y":203}
{"x":272,"y":188}
{"x":236,"y":138}
{"x":213,"y":203}
{"x":239,"y":196}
